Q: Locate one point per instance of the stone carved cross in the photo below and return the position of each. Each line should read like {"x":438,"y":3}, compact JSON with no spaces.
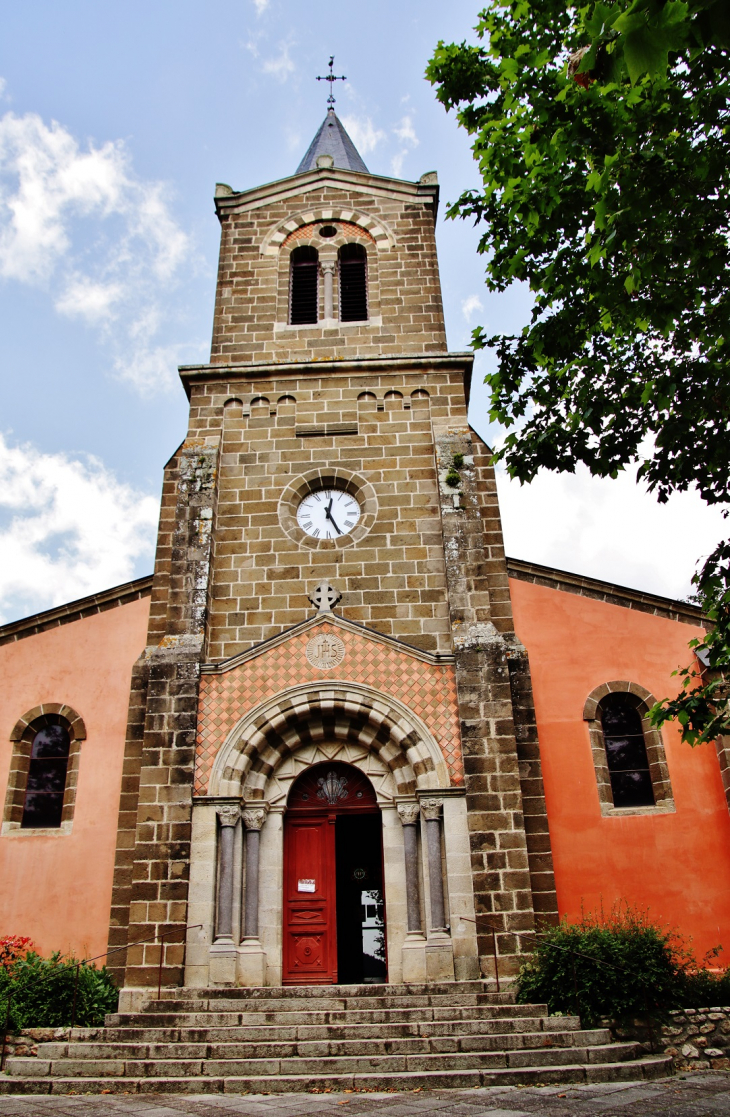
{"x":325,"y":597}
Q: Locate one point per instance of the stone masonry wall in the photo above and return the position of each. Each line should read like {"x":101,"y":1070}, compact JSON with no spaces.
{"x":696,"y":1038}
{"x":393,"y":578}
{"x":152,"y":872}
{"x":253,"y":288}
{"x":501,"y":762}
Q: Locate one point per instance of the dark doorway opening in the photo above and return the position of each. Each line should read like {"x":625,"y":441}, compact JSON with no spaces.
{"x":360,"y":904}
{"x":334,"y":902}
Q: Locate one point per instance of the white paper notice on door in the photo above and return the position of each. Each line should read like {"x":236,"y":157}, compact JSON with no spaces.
{"x":306,"y":886}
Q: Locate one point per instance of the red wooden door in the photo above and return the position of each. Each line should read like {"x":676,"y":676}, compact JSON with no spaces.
{"x":310,"y":918}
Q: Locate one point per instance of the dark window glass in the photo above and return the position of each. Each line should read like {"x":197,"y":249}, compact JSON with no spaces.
{"x":353,"y":283}
{"x":46,"y":777}
{"x":303,"y":286}
{"x":628,"y":764}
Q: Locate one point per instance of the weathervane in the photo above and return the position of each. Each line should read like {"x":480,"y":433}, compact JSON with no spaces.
{"x":330,"y":77}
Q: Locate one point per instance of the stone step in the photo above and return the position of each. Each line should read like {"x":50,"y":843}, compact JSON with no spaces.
{"x":299,"y":992}
{"x":570,"y":1073}
{"x":322,"y":1004}
{"x":411,"y":1045}
{"x":362,"y":1064}
{"x":266,"y":1033}
{"x":339,"y":1015}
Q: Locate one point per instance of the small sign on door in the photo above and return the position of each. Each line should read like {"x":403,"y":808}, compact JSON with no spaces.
{"x":306,"y":886}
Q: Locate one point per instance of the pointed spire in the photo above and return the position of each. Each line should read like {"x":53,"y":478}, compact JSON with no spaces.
{"x":332,"y":139}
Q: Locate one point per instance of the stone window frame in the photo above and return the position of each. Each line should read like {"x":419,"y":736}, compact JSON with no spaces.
{"x":658,"y":769}
{"x":23,"y":732}
{"x":328,"y":252}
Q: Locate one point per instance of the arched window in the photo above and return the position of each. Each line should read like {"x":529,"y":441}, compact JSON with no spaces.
{"x":628,"y":752}
{"x":626,"y":756}
{"x":303,"y":286}
{"x":353,"y":283}
{"x":44,"y":768}
{"x":47,"y":769}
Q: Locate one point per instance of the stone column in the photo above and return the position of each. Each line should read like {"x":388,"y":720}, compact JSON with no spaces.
{"x":223,"y":951}
{"x":439,"y":948}
{"x":251,"y":967}
{"x":431,"y":811}
{"x":328,"y":271}
{"x":253,"y":820}
{"x":408,"y":813}
{"x":228,"y":816}
{"x":414,"y":946}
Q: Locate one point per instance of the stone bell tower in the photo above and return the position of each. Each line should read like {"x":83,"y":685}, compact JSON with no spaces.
{"x":330,"y":595}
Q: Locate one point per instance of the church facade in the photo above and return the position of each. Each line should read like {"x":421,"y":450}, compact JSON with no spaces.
{"x":360,"y":744}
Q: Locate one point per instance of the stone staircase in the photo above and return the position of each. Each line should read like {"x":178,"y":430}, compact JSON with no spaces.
{"x":329,"y":1038}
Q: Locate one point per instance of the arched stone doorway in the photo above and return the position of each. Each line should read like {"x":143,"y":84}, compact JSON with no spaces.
{"x":237,"y":891}
{"x":334,"y":904}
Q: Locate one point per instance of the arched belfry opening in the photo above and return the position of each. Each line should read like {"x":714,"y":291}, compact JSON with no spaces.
{"x":334,"y":902}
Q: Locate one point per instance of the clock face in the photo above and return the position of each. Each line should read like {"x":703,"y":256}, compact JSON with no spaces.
{"x":328,"y":514}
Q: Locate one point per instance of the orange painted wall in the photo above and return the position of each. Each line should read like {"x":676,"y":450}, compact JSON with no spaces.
{"x":677,"y":865}
{"x":57,"y":888}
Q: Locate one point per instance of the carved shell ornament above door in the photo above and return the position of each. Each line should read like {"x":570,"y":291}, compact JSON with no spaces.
{"x":332,"y":788}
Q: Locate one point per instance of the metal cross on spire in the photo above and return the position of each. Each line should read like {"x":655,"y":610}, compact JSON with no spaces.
{"x":331,"y":78}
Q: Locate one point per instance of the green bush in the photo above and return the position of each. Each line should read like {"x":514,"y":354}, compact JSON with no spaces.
{"x":43,"y":993}
{"x":704,"y":989}
{"x":620,"y":966}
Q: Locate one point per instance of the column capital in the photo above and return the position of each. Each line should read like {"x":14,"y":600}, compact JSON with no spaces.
{"x":328,"y":266}
{"x":431,"y":808}
{"x":253,"y":817}
{"x":408,"y":813}
{"x":228,"y":813}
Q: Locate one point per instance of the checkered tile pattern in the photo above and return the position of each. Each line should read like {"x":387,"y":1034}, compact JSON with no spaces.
{"x":427,"y":689}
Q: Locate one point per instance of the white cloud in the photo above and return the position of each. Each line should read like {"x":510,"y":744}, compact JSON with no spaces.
{"x":610,"y":529}
{"x":407,"y":135}
{"x":79,"y":223}
{"x":67,"y":528}
{"x":150,"y":367}
{"x":281,"y":66}
{"x":470,"y":306}
{"x":363,"y":133}
{"x":406,"y":132}
{"x":261,"y":6}
{"x":83,"y":298}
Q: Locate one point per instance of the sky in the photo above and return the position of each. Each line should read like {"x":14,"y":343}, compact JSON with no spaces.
{"x":116,"y":121}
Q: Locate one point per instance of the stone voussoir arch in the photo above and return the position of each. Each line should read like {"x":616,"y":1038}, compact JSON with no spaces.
{"x":76,"y":726}
{"x":315,"y":713}
{"x":381,"y":233}
{"x":617,"y":686}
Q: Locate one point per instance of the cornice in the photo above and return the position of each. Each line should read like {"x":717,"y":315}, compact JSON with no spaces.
{"x":608,"y":592}
{"x":437,"y":659}
{"x":242,"y":201}
{"x":343,"y":367}
{"x":76,"y":610}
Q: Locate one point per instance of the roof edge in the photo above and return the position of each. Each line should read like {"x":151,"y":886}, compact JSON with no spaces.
{"x":76,"y":610}
{"x":610,"y":592}
{"x":226,"y":198}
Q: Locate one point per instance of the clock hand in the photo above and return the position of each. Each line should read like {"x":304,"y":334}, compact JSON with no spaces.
{"x":329,"y":517}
